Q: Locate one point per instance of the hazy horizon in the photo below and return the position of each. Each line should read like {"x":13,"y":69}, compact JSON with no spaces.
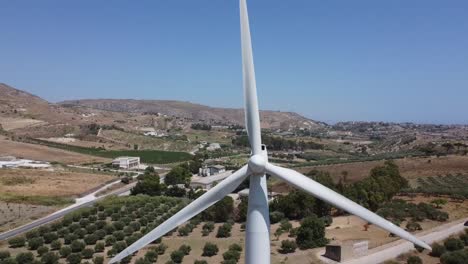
{"x":330,"y":61}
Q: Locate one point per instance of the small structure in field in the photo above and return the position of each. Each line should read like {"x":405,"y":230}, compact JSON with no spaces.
{"x":13,"y":162}
{"x":208,"y":182}
{"x":126,"y":162}
{"x":211,"y":170}
{"x":213,"y":146}
{"x":342,"y":251}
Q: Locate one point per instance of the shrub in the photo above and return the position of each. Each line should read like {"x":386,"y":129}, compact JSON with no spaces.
{"x":98,"y":260}
{"x":414,"y":260}
{"x":119,"y":235}
{"x":128,"y":230}
{"x":235,"y":247}
{"x":210,"y":249}
{"x":231,"y":254}
{"x":4,"y":254}
{"x":90,"y":239}
{"x":49,"y":237}
{"x":119,"y":246}
{"x":224,"y":231}
{"x":80,"y":232}
{"x":311,"y":233}
{"x":32,"y":233}
{"x":276,"y":216}
{"x":413,"y":226}
{"x":184,"y":231}
{"x":77,"y":246}
{"x":65,"y":251}
{"x":100,"y":234}
{"x":56,"y":245}
{"x":142,"y":261}
{"x":87,"y":253}
{"x":200,"y":262}
{"x":91,"y":228}
{"x":287,"y":246}
{"x":17,"y":242}
{"x":177,"y":256}
{"x":161,"y":248}
{"x":464,"y":238}
{"x":9,"y":260}
{"x":24,"y":257}
{"x":70,"y":238}
{"x":437,"y":250}
{"x":42,"y":250}
{"x":74,"y":258}
{"x":151,"y":256}
{"x":455,"y":257}
{"x":229,"y":261}
{"x":185,"y":249}
{"x":35,"y":242}
{"x":110,"y":240}
{"x":50,"y":258}
{"x":452,"y":244}
{"x":99,"y":247}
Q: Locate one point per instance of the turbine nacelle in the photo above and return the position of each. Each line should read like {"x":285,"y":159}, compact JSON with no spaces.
{"x":257,"y":164}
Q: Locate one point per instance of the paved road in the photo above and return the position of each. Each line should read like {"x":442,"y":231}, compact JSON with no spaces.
{"x":85,"y":201}
{"x":396,"y":248}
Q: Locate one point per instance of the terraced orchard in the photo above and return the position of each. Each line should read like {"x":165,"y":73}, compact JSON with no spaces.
{"x":93,"y":235}
{"x":455,"y":186}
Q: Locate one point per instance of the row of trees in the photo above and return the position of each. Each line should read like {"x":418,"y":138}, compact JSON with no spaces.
{"x":200,"y":126}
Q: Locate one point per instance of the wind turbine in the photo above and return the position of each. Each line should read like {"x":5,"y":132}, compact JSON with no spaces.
{"x":258,"y":223}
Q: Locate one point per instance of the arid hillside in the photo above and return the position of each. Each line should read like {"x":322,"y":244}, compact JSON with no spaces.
{"x":270,"y":119}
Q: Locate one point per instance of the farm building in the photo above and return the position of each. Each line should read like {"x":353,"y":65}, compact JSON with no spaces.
{"x":126,"y":162}
{"x":207,"y":182}
{"x":211,"y":170}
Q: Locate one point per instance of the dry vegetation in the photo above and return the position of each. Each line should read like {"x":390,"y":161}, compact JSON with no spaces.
{"x":410,"y":168}
{"x":43,"y":153}
{"x":30,"y":182}
{"x":15,"y":214}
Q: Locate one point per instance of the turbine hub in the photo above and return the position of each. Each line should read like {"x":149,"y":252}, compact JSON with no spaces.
{"x":257,"y":164}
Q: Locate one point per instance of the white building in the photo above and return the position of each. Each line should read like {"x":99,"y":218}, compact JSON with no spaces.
{"x":208,"y":182}
{"x":213,"y":147}
{"x":211,"y":170}
{"x":126,"y":162}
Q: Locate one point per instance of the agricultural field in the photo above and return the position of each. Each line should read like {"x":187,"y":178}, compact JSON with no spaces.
{"x":450,"y":185}
{"x":45,"y":153}
{"x":44,"y":187}
{"x":147,"y":156}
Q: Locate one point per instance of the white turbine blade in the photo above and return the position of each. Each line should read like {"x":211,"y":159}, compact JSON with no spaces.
{"x":252,"y":116}
{"x":316,"y":189}
{"x":206,"y":200}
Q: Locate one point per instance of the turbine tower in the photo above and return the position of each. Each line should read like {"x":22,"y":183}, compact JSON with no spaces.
{"x":258,"y":223}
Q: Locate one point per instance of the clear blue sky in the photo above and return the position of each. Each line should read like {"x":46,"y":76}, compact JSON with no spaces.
{"x":331,"y":60}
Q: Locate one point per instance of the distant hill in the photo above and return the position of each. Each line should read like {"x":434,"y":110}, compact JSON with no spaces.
{"x":196,"y":112}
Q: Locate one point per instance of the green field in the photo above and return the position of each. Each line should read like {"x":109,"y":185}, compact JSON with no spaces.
{"x":147,"y":156}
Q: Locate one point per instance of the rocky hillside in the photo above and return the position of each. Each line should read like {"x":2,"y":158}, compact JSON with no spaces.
{"x":196,"y":112}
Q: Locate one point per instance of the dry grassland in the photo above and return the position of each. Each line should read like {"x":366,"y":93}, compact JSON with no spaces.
{"x":29,"y":182}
